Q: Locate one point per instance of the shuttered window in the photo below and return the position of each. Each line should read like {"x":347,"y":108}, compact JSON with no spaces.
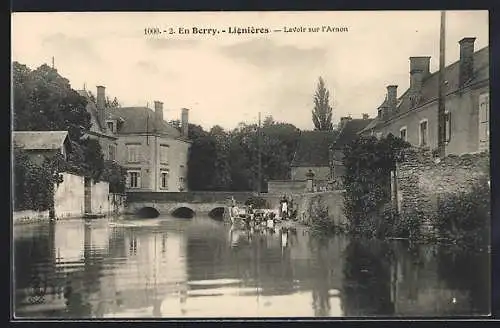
{"x":484,"y":118}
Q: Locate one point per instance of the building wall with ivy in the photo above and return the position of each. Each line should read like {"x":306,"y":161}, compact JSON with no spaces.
{"x":422,"y":182}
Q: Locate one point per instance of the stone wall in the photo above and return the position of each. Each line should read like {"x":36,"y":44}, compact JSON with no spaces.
{"x":100,"y":198}
{"x":69,"y":196}
{"x":69,"y":201}
{"x":421,"y":180}
{"x":286,"y":186}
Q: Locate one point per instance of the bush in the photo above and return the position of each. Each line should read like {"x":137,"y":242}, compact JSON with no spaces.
{"x":465,"y":217}
{"x":115,"y":175}
{"x":368,"y":164}
{"x":34,"y":184}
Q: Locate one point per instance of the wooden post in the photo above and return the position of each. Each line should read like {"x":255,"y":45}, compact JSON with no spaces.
{"x":441,"y":96}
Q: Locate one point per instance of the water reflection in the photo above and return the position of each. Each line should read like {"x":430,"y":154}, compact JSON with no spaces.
{"x":201,"y":268}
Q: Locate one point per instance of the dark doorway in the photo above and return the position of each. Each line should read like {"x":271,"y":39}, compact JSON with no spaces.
{"x":183,"y":212}
{"x":217,"y":213}
{"x":148,"y":213}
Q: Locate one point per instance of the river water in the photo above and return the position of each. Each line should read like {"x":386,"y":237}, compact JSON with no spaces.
{"x":169,"y":267}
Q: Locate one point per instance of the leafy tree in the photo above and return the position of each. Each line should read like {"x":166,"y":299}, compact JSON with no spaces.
{"x":322,"y":112}
{"x":368,"y":163}
{"x":44,"y":100}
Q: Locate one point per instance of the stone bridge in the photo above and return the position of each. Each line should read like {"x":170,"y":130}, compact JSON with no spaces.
{"x":213,"y":203}
{"x":183,"y":204}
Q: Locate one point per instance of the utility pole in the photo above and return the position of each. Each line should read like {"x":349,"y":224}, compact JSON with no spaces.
{"x":260,"y":158}
{"x":441,"y":96}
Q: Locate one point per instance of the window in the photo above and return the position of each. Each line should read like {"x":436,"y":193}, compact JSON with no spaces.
{"x":111,"y":152}
{"x":402,"y":133}
{"x":423,"y":133}
{"x":379,"y":113}
{"x":134,"y":179}
{"x":484,"y":118}
{"x":111,"y":127}
{"x":447,"y":126}
{"x":133,"y":153}
{"x":164,"y":154}
{"x":164,"y":179}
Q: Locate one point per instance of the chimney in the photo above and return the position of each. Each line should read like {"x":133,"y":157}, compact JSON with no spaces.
{"x":101,"y":103}
{"x":365,"y":116}
{"x":159,"y":110}
{"x":344,"y":120}
{"x":419,"y":70}
{"x":185,"y":122}
{"x":466,"y":59}
{"x":392,"y":98}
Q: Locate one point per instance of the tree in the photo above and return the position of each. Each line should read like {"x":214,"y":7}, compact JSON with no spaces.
{"x":44,"y":101}
{"x":322,"y":112}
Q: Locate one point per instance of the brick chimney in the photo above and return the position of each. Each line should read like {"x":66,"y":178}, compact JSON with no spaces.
{"x":419,"y":70}
{"x":185,"y":122}
{"x":466,"y":62}
{"x":101,"y":103}
{"x":159,"y":110}
{"x":392,"y":98}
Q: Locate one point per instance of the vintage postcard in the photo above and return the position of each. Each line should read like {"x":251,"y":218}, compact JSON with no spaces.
{"x":250,"y":165}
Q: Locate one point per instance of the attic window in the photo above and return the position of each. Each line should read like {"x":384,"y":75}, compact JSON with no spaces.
{"x":379,"y":113}
{"x":111,"y":126}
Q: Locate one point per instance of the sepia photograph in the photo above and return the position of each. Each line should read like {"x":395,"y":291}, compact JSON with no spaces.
{"x":228,"y":165}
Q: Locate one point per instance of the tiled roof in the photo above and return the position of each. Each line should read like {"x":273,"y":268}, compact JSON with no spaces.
{"x":39,"y":140}
{"x":135,"y":119}
{"x":141,"y":120}
{"x":350,"y":132}
{"x":430,"y":85}
{"x":313,"y":148}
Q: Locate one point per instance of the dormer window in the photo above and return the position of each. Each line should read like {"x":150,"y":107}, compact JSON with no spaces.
{"x":111,"y":126}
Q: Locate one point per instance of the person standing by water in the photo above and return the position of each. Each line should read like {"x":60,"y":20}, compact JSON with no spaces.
{"x":284,"y":207}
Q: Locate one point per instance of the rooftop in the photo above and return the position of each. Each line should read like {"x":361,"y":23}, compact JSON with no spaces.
{"x":430,"y":86}
{"x":349,"y":132}
{"x":39,"y":140}
{"x":141,"y":120}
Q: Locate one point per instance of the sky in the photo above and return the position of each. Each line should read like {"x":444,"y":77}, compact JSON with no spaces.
{"x":225,"y":79}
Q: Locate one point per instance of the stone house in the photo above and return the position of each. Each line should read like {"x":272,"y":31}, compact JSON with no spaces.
{"x":312,"y":155}
{"x":348,"y":132}
{"x":153,"y":152}
{"x":42,"y":144}
{"x":413,"y":116}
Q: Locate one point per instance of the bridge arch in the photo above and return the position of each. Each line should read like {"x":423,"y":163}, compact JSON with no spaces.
{"x":217,"y":213}
{"x":148,"y":212}
{"x":183,"y":212}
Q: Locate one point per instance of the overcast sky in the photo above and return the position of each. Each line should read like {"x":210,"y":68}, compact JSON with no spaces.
{"x":227,"y":78}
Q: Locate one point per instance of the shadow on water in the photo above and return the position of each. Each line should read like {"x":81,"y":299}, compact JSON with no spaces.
{"x":183,"y":213}
{"x":148,"y":213}
{"x":217,"y":213}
